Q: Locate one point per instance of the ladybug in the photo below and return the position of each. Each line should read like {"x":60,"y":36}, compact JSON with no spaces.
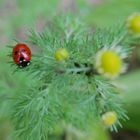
{"x":22,"y":55}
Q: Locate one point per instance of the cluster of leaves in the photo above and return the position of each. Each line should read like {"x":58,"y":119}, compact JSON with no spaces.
{"x":68,"y":92}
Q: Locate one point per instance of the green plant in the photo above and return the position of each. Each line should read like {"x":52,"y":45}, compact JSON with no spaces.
{"x":70,"y":92}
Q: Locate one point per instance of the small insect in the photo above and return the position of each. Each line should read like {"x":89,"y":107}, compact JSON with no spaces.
{"x":22,"y":55}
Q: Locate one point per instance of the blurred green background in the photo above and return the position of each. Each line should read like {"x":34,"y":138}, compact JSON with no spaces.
{"x":18,"y":16}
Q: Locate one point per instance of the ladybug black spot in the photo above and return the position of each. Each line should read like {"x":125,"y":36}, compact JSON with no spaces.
{"x":22,"y":50}
{"x":21,"y":59}
{"x":16,"y":52}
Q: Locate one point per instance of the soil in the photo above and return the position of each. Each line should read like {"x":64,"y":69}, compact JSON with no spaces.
{"x":126,"y":135}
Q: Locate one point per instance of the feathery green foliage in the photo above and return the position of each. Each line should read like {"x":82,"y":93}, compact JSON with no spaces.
{"x":70,"y":92}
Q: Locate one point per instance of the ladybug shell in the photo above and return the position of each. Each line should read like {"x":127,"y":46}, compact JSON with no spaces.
{"x":22,"y":55}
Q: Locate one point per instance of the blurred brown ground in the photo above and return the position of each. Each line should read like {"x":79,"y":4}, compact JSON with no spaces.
{"x":9,"y":9}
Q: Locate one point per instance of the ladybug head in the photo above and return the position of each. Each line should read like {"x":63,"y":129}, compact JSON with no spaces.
{"x":23,"y":63}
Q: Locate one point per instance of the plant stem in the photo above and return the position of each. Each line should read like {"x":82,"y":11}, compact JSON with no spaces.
{"x":77,"y":70}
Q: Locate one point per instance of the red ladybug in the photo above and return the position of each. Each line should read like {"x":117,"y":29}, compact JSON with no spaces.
{"x":22,"y":55}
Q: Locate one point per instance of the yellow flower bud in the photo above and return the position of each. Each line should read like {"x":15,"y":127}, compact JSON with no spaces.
{"x":109,"y":63}
{"x":109,"y":118}
{"x":61,"y":54}
{"x":133,"y":23}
